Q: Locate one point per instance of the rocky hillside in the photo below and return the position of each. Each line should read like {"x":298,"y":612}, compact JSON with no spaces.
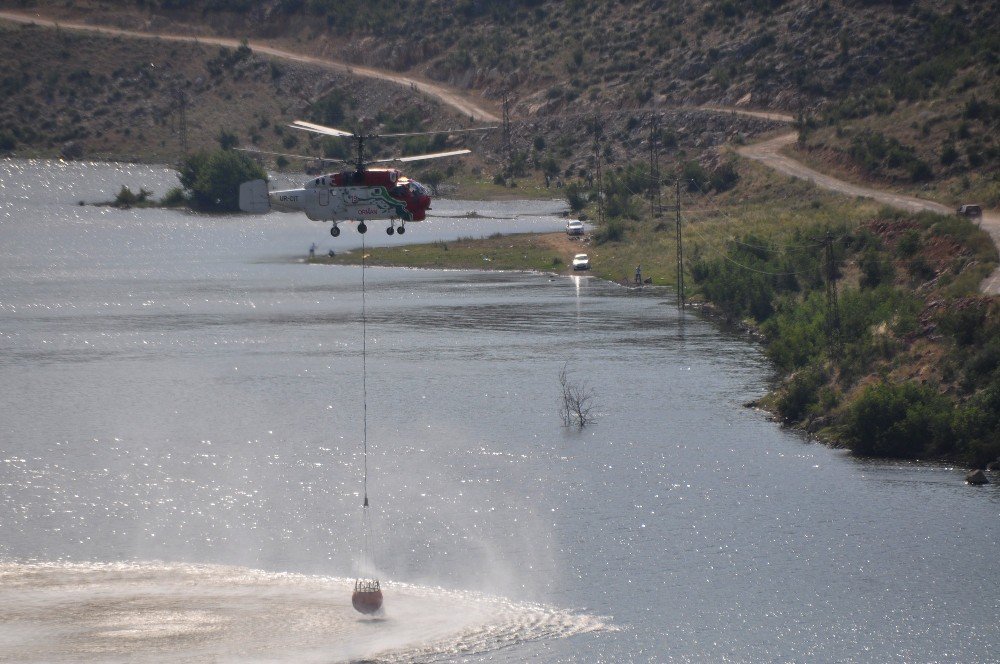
{"x":905,"y":92}
{"x":901,"y":91}
{"x":98,"y":97}
{"x":85,"y":95}
{"x":792,"y":55}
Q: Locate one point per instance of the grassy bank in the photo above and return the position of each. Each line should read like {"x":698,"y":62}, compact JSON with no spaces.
{"x":549,"y":252}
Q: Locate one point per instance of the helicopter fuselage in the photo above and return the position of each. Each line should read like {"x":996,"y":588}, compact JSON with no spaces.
{"x":353,"y":196}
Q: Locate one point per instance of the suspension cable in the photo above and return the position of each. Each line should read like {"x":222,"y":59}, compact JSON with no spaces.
{"x":364,"y":370}
{"x":368,"y":553}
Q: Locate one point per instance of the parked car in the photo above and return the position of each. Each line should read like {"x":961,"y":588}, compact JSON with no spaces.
{"x":969,"y":210}
{"x":581,"y":262}
{"x":574,"y":227}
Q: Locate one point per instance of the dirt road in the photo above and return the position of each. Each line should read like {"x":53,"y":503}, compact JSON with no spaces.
{"x":445,"y":95}
{"x":769,"y":153}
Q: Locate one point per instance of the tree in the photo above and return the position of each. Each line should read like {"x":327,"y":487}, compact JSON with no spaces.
{"x":214,"y":178}
{"x":576,"y":196}
{"x":577,"y":401}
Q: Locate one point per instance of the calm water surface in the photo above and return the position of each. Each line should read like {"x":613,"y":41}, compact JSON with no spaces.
{"x":180,"y":438}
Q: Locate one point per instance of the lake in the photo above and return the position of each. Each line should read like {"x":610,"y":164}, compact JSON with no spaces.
{"x":181,"y":432}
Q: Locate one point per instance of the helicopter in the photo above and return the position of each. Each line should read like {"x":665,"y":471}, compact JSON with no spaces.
{"x":363,"y":194}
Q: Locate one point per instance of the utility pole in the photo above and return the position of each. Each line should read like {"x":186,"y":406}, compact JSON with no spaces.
{"x":832,"y":306}
{"x":655,"y":199}
{"x":680,"y":245}
{"x":181,"y":101}
{"x":599,"y":177}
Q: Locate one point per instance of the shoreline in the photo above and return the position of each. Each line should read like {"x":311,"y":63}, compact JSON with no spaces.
{"x":533,"y":252}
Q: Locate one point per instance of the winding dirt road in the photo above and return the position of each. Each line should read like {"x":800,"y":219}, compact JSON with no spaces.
{"x":767,"y":152}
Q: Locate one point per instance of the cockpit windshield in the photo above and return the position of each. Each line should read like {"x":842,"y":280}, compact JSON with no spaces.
{"x":418,"y":188}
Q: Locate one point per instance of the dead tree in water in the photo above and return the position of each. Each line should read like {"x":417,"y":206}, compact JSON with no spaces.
{"x":577,"y":401}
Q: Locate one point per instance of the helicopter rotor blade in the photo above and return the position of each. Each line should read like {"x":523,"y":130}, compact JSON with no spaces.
{"x":420,"y":157}
{"x":320,"y":129}
{"x":294,"y":156}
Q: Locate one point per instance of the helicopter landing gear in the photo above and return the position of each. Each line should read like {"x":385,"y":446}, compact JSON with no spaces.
{"x":401,"y":229}
{"x":362,"y":228}
{"x":335,"y":231}
{"x":390,"y":231}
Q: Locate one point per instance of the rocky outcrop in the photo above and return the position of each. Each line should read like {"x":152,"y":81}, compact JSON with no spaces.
{"x":977,"y":477}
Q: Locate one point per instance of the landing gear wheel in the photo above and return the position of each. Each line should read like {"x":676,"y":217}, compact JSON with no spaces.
{"x":401,"y":230}
{"x":390,"y":231}
{"x":334,"y":231}
{"x":362,"y":228}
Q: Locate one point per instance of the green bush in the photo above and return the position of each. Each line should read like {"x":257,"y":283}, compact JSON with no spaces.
{"x":227,"y":139}
{"x":949,"y":154}
{"x":126,"y":198}
{"x":875,"y":269}
{"x":909,"y":243}
{"x":214,"y":178}
{"x":724,"y":177}
{"x":977,"y":426}
{"x":576,"y":196}
{"x":694,"y":176}
{"x":800,"y":393}
{"x":797,"y":333}
{"x":174,"y":198}
{"x":964,"y":323}
{"x":899,"y":420}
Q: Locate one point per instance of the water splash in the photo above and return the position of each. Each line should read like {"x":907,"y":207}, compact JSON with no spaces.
{"x":162,"y":612}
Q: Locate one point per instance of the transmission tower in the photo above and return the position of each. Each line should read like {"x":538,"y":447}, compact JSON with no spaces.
{"x":832,"y":306}
{"x":505,"y":141}
{"x":655,"y":198}
{"x":180,"y":100}
{"x":598,"y":173}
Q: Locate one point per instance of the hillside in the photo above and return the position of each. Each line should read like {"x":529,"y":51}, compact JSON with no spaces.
{"x":903,"y":93}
